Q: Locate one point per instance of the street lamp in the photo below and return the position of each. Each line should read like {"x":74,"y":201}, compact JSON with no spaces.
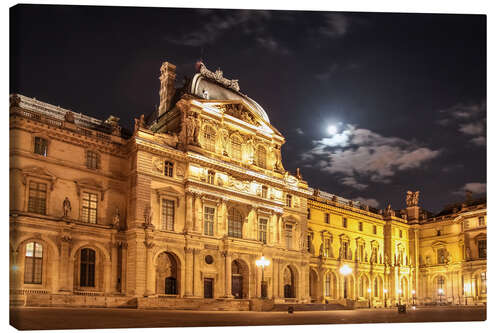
{"x":467,"y":290}
{"x":345,"y":270}
{"x":413,"y":297}
{"x":369,"y":297}
{"x":440,"y":292}
{"x":385,"y":297}
{"x":262,"y":263}
{"x":399,"y":296}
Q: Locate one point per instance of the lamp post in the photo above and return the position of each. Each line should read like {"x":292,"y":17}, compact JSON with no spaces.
{"x":440,"y":293}
{"x":413,"y":297}
{"x":385,"y":297}
{"x":399,"y":296}
{"x":345,"y":270}
{"x":369,"y":297}
{"x":262,"y":263}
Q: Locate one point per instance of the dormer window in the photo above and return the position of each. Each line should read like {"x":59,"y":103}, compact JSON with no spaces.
{"x":261,"y":157}
{"x":169,"y":169}
{"x":374,"y":229}
{"x":264,"y":191}
{"x":344,"y":222}
{"x":41,"y":145}
{"x":360,"y":226}
{"x":209,"y":138}
{"x":211,"y":177}
{"x":288,"y":200}
{"x":236,"y":148}
{"x":327,"y":218}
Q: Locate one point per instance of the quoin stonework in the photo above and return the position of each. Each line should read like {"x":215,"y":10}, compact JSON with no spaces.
{"x":176,"y":214}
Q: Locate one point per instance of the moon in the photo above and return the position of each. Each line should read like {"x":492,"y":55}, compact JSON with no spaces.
{"x":332,"y":129}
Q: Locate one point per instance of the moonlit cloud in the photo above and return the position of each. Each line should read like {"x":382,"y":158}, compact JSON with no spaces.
{"x":370,"y":202}
{"x":300,"y":131}
{"x":476,"y":188}
{"x":470,"y":120}
{"x":357,"y":152}
{"x":335,"y":25}
{"x":352,"y":182}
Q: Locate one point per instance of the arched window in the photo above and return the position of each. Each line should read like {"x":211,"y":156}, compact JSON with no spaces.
{"x":261,"y":157}
{"x":209,"y":138}
{"x":87,"y":268}
{"x":236,"y":148}
{"x":33,"y":263}
{"x":234,"y":223}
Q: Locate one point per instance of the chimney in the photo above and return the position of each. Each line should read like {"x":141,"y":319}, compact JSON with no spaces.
{"x":167,"y":89}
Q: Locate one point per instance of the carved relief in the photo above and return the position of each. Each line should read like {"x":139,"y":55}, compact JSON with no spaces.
{"x":218,"y":77}
{"x":157,"y":164}
{"x":412,"y":198}
{"x":240,"y":185}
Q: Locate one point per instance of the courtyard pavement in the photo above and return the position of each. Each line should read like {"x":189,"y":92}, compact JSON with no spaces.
{"x":30,"y":318}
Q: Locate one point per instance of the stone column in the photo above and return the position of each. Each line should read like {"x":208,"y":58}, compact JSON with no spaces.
{"x":188,"y":226}
{"x":64,"y":268}
{"x":228,"y":274}
{"x":189,"y":272}
{"x":150,"y":273}
{"x":114,"y":266}
{"x":107,"y":277}
{"x":275,"y":290}
{"x":198,"y":215}
{"x":123,"y":277}
{"x":222,"y":218}
{"x":197,"y":292}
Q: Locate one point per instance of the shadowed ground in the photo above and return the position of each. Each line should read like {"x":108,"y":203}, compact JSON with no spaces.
{"x":75,"y":318}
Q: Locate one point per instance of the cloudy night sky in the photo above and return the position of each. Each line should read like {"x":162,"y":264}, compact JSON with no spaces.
{"x":371,"y":104}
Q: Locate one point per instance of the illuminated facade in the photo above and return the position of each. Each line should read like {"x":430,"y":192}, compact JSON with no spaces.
{"x":181,"y":209}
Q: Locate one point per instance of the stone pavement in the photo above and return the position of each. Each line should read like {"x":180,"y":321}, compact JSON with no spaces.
{"x":26,"y":318}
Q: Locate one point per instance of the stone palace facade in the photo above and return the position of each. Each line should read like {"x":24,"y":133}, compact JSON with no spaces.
{"x":177,"y":213}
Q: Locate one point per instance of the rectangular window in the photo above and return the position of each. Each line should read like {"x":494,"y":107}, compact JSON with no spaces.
{"x":235,"y":148}
{"x":362,"y":253}
{"x":327,"y":285}
{"x":481,"y":247}
{"x":33,"y":263}
{"x":309,"y":242}
{"x":328,"y":247}
{"x":466,"y":224}
{"x":288,"y":200}
{"x":167,"y":214}
{"x":89,"y":207}
{"x":481,"y":220}
{"x":209,"y":218}
{"x":41,"y":146}
{"x":441,"y":256}
{"x":211,"y":177}
{"x":264,"y":191}
{"x":400,"y":233}
{"x":345,"y":251}
{"x":327,"y":218}
{"x":308,"y":213}
{"x":263,"y":231}
{"x":92,"y":160}
{"x":344,"y":222}
{"x":37,"y":198}
{"x":169,"y":169}
{"x":360,"y":226}
{"x":483,"y":283}
{"x":374,"y":229}
{"x":288,"y":236}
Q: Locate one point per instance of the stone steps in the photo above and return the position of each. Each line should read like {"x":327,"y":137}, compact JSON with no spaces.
{"x":309,"y":307}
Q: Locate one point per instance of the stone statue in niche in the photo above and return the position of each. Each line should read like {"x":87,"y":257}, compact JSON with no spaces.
{"x":467,"y":253}
{"x":251,"y":150}
{"x":148,"y":216}
{"x":427,"y":260}
{"x":116,"y":219}
{"x":193,"y":125}
{"x":224,"y":137}
{"x":69,"y":117}
{"x":66,"y":207}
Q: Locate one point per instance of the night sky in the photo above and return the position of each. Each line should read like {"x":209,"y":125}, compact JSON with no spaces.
{"x":371,"y":104}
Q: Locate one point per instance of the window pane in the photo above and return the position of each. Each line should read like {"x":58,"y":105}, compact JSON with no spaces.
{"x":29,"y":249}
{"x":235,"y":148}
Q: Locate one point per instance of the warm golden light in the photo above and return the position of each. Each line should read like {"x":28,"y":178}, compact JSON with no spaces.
{"x":369,"y":290}
{"x":385,"y":291}
{"x":345,"y":270}
{"x":262,"y":262}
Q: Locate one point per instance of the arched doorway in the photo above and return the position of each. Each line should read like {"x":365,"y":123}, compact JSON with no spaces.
{"x":363,"y":286}
{"x":167,"y":274}
{"x":239,"y":279}
{"x":289,"y":283}
{"x":313,"y":285}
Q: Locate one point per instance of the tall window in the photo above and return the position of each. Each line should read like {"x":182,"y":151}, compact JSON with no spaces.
{"x":375,"y":287}
{"x":327,"y":218}
{"x":288,"y":236}
{"x":33,"y":263}
{"x":288,"y":200}
{"x":441,"y":256}
{"x":87,"y":268}
{"x":328,"y":247}
{"x":360,"y":226}
{"x":440,"y":284}
{"x":344,"y":222}
{"x":374,"y":229}
{"x":481,"y":247}
{"x":41,"y":145}
{"x":327,"y":285}
{"x":37,"y":198}
{"x":361,"y":252}
{"x":92,"y":160}
{"x":208,"y":219}
{"x":263,"y":231}
{"x":209,"y":138}
{"x":345,"y":250}
{"x":308,"y":213}
{"x":264,"y":191}
{"x":309,"y":243}
{"x":483,"y":283}
{"x":211,"y":177}
{"x":89,"y":207}
{"x":235,"y":148}
{"x":261,"y":156}
{"x":481,"y":220}
{"x":169,"y":169}
{"x":167,"y":214}
{"x":234,"y":223}
{"x":400,"y":233}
